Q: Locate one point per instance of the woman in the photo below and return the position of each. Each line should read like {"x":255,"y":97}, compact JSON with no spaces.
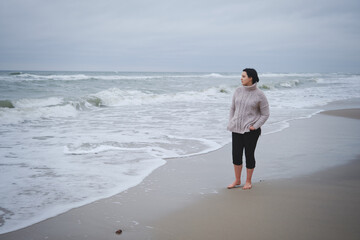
{"x":249,"y":111}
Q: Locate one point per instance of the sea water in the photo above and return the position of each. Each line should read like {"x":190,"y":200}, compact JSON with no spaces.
{"x":70,"y":138}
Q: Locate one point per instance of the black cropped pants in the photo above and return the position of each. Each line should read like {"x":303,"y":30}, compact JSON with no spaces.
{"x":248,"y":141}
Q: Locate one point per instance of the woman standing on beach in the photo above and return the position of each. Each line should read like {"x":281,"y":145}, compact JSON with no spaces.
{"x":249,"y":111}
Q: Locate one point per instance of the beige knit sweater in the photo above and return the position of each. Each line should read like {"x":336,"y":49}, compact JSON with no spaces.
{"x":249,"y":108}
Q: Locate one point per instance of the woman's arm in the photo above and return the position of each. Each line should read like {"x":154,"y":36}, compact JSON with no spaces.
{"x":264,"y":112}
{"x":232,"y":108}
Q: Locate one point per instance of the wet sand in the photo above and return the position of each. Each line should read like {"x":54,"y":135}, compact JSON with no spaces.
{"x":350,"y":113}
{"x":187,"y":198}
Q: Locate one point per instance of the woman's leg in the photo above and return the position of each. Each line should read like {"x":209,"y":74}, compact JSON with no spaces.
{"x":251,"y":139}
{"x":237,"y":152}
{"x":249,"y":173}
{"x":237,"y":169}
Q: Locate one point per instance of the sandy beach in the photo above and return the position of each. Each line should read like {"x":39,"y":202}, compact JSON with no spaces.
{"x":187,"y":197}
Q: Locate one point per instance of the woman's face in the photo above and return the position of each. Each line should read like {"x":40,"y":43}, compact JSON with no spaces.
{"x":245,"y":80}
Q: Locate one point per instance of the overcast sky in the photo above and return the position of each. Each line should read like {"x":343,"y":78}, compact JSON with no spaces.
{"x":166,"y":35}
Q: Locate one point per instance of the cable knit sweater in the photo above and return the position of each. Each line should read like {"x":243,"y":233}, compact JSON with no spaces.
{"x":249,"y":108}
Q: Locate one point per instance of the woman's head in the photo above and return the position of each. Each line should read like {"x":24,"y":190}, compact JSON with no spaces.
{"x":249,"y":76}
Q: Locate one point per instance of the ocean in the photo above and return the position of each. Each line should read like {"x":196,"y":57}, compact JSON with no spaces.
{"x":71,"y":138}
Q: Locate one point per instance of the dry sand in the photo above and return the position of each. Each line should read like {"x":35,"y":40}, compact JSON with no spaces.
{"x":187,"y":198}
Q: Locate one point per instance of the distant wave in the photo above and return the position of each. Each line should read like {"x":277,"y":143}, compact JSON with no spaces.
{"x":290,"y":84}
{"x":35,"y":109}
{"x":118,"y":97}
{"x":19,"y":76}
{"x":65,"y":77}
{"x":280,"y":84}
{"x":31,"y":103}
{"x":289,"y":74}
{"x":31,"y":76}
{"x":41,"y":102}
{"x":214,"y":75}
{"x":15,"y":73}
{"x":32,"y":109}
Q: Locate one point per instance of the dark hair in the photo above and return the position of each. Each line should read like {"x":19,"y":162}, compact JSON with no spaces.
{"x":252,"y":74}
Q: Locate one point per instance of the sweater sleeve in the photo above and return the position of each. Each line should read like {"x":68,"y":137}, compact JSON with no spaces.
{"x":232,"y":108}
{"x":264,"y":112}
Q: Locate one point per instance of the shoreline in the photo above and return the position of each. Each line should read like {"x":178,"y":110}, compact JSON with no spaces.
{"x":192,"y":190}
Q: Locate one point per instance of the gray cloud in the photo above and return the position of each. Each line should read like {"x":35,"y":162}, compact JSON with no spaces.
{"x":272,"y":36}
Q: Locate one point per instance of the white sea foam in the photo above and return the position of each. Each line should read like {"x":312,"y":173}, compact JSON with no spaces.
{"x":31,"y":208}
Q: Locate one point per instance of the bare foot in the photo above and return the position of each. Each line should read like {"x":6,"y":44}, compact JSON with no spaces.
{"x":234,"y":184}
{"x":247,"y":186}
